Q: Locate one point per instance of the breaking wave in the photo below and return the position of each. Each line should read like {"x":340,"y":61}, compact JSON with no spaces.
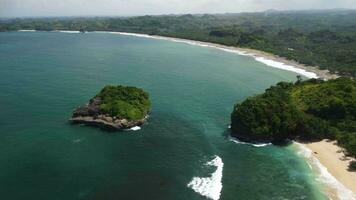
{"x":27,"y":30}
{"x":251,"y":144}
{"x":66,"y":31}
{"x":209,"y":187}
{"x":135,"y":128}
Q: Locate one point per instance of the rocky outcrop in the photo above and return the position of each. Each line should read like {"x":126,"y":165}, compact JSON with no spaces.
{"x":92,"y":115}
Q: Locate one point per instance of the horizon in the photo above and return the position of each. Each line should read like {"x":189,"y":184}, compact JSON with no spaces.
{"x":132,"y":8}
{"x":179,"y":14}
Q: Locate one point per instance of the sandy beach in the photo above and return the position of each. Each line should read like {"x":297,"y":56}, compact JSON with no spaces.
{"x":323,"y":74}
{"x":332,"y":169}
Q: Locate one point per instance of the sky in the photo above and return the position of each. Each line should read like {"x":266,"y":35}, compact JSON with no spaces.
{"x":37,"y":8}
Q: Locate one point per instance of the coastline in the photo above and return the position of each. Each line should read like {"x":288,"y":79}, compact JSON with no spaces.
{"x":326,"y":159}
{"x":260,"y":56}
{"x":277,"y":62}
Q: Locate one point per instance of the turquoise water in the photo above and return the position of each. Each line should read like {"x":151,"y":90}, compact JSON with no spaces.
{"x":44,"y":76}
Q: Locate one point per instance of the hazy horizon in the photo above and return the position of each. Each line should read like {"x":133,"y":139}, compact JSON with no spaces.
{"x":74,"y":8}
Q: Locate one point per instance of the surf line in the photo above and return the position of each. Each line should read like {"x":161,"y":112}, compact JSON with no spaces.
{"x":209,"y":187}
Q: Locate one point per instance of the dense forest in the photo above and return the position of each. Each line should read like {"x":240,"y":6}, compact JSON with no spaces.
{"x":124,"y":102}
{"x":306,"y":110}
{"x":320,"y":38}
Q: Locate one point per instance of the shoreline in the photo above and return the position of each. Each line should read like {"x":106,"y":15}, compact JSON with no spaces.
{"x":326,"y":159}
{"x":337,"y":188}
{"x":268,"y":59}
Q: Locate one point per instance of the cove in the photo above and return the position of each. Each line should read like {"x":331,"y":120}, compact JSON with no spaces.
{"x":45,"y":75}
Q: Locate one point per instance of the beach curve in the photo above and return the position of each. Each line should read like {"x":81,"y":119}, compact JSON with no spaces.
{"x":324,"y":159}
{"x":268,"y":59}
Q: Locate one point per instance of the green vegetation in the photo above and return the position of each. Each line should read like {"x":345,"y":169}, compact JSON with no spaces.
{"x":319,"y":38}
{"x":352,"y":166}
{"x":309,"y":110}
{"x":124,"y":102}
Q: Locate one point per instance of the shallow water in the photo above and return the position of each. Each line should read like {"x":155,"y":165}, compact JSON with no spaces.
{"x":44,"y":76}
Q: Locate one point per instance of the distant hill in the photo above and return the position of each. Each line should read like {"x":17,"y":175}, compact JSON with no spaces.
{"x":324,"y":38}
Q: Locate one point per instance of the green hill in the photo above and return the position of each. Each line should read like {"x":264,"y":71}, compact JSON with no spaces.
{"x":115,"y":107}
{"x":308,"y":111}
{"x":124,"y":102}
{"x":324,"y":38}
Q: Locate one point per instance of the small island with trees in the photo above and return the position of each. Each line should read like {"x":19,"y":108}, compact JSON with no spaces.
{"x":305,"y":111}
{"x":115,"y":108}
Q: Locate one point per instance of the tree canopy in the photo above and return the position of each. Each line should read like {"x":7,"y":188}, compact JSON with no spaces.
{"x":320,"y":38}
{"x":309,"y":110}
{"x":124,"y":102}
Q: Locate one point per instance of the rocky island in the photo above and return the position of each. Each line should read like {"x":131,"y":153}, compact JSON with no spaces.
{"x":115,"y":108}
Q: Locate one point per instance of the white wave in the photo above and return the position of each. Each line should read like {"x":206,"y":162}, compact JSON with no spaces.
{"x":283,"y":66}
{"x":26,"y":30}
{"x":135,"y":128}
{"x":268,"y":62}
{"x":60,"y":31}
{"x":209,"y":187}
{"x":324,"y":175}
{"x":252,"y":144}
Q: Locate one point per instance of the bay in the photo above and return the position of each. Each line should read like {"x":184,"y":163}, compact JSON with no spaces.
{"x":45,"y":75}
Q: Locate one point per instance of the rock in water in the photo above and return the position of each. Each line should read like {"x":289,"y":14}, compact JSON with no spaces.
{"x":115,"y":108}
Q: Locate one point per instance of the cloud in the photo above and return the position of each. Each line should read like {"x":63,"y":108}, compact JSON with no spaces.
{"x":13,"y":8}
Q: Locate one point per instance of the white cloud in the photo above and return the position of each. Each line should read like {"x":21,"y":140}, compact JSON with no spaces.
{"x":142,"y":7}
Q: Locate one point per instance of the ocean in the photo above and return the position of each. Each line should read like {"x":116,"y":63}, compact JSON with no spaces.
{"x":184,"y":152}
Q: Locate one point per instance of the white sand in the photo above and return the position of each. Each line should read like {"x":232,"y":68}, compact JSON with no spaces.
{"x":328,"y":160}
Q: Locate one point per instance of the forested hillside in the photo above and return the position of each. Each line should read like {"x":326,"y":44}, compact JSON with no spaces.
{"x":307,"y":111}
{"x":322,"y":38}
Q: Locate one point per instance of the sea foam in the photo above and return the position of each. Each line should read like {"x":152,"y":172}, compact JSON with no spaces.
{"x":251,"y":144}
{"x":27,"y":30}
{"x":283,"y":66}
{"x":209,"y":187}
{"x":135,"y":128}
{"x":60,"y":31}
{"x":324,"y":175}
